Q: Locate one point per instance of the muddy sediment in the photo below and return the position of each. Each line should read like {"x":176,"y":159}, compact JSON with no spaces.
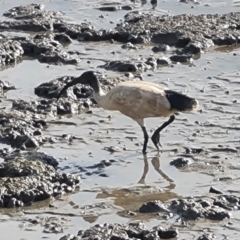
{"x":188,"y":34}
{"x":24,"y":181}
{"x":29,"y":175}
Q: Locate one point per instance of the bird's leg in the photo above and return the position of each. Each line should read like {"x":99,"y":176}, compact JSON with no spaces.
{"x":145,"y":134}
{"x":156,"y":134}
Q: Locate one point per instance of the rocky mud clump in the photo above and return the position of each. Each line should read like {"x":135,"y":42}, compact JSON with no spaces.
{"x":27,"y":180}
{"x":189,"y":34}
{"x":123,"y":231}
{"x":21,"y":130}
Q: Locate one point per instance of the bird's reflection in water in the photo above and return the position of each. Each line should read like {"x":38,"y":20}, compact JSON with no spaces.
{"x":156,"y":164}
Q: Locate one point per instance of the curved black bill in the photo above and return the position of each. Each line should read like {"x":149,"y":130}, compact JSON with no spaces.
{"x":73,"y":82}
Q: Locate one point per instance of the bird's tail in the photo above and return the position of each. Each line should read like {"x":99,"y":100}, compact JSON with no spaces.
{"x":181,"y":102}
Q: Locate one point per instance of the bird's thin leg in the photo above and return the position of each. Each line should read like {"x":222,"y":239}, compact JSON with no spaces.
{"x":145,"y":134}
{"x":156,"y":134}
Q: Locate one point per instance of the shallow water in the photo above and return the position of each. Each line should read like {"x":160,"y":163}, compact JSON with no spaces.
{"x":215,"y":73}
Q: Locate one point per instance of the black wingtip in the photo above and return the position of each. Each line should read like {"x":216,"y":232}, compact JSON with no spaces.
{"x":180,"y":102}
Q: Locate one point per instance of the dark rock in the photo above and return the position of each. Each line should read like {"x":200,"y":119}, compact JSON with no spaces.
{"x":56,"y":57}
{"x":10,"y":51}
{"x":31,"y":142}
{"x":166,"y":38}
{"x":18,"y":128}
{"x":12,"y":203}
{"x":45,"y":107}
{"x":163,"y":61}
{"x":62,"y":38}
{"x":181,"y":58}
{"x":104,"y":175}
{"x":31,"y":156}
{"x":127,"y":8}
{"x":226,"y":39}
{"x":6,"y":86}
{"x":193,"y":208}
{"x":168,"y":234}
{"x":120,"y":66}
{"x":26,"y":25}
{"x":214,"y":190}
{"x":160,"y":48}
{"x":129,"y":46}
{"x":194,"y":150}
{"x":109,"y":8}
{"x":123,"y":232}
{"x":206,"y":29}
{"x":205,"y":203}
{"x":30,"y":11}
{"x":181,"y":162}
{"x":152,"y":62}
{"x":182,"y":42}
{"x":207,"y":236}
{"x":47,"y":48}
{"x":153,"y":206}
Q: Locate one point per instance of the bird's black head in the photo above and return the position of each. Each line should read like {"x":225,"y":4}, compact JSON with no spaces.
{"x":88,"y":78}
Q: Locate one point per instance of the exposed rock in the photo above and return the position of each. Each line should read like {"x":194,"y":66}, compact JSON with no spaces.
{"x":10,"y":51}
{"x":163,"y":61}
{"x":194,"y":150}
{"x":123,"y":231}
{"x":30,"y":11}
{"x":32,"y":25}
{"x":120,"y":66}
{"x":42,"y":106}
{"x":161,"y":48}
{"x":214,"y":190}
{"x":109,"y":8}
{"x":31,"y":156}
{"x":192,"y":209}
{"x":6,"y":86}
{"x":20,"y":130}
{"x":25,"y":181}
{"x":47,"y":48}
{"x":207,"y":236}
{"x":129,"y":46}
{"x":153,"y":206}
{"x":181,"y":58}
{"x":181,"y":162}
{"x":151,"y":62}
{"x":193,"y":33}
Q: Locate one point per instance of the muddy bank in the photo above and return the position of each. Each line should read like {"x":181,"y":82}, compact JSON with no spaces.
{"x":117,"y":231}
{"x":30,"y":177}
{"x":188,"y":34}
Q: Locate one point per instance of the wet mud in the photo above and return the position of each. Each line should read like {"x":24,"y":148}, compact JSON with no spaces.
{"x":70,"y":170}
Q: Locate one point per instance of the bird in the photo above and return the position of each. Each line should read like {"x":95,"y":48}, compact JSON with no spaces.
{"x":138,"y":100}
